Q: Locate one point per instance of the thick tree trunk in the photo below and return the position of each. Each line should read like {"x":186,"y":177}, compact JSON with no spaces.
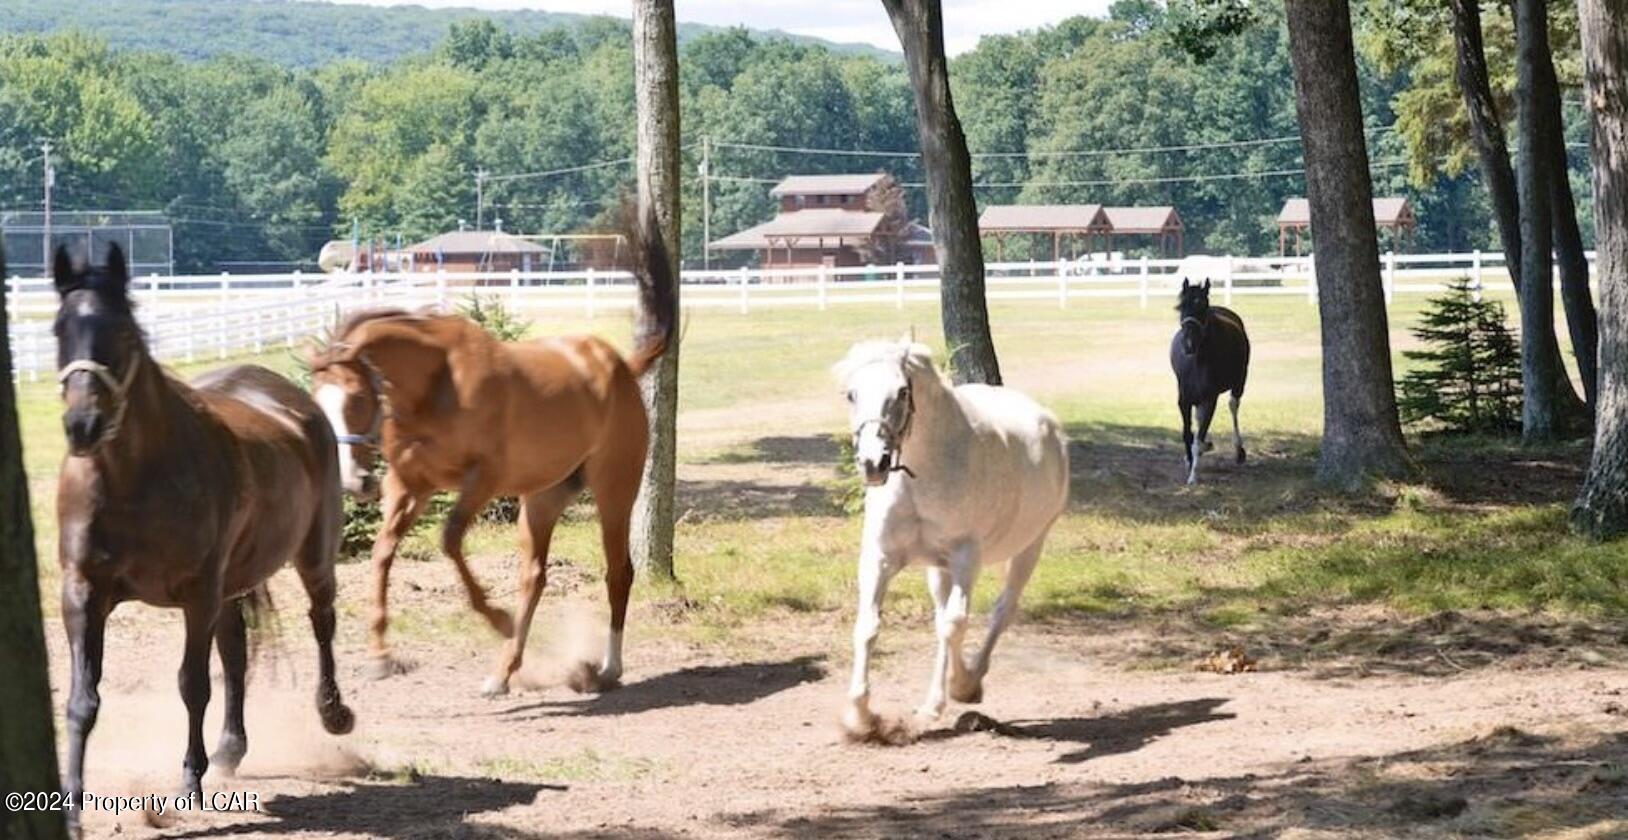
{"x":952,"y":210}
{"x":1487,"y":130}
{"x":655,"y":62}
{"x":1543,"y":416}
{"x":1601,"y":510}
{"x":1362,"y":436}
{"x":28,"y":756}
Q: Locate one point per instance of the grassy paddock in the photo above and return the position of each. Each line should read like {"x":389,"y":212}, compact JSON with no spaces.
{"x":1481,"y":525}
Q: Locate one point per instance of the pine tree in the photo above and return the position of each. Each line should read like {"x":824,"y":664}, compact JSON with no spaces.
{"x":1469,"y":380}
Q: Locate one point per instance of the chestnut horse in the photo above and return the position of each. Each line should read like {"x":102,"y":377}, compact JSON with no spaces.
{"x":449,"y":407}
{"x":187,"y":497}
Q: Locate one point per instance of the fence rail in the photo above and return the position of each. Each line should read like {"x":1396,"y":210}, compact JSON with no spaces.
{"x":189,"y":318}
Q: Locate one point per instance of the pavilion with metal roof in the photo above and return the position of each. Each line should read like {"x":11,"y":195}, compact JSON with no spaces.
{"x":1392,"y":213}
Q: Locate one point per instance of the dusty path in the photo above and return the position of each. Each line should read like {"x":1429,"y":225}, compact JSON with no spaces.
{"x":708,"y":742}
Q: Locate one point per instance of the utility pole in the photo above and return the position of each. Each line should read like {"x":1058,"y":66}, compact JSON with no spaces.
{"x":706,"y":202}
{"x":480,"y":199}
{"x":50,"y":180}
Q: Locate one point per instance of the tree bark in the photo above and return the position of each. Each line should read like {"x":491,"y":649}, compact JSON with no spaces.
{"x":28,"y":756}
{"x":1362,"y":436}
{"x":1601,"y":510}
{"x":1487,"y":130}
{"x":655,"y":61}
{"x":1543,"y":416}
{"x":952,"y":210}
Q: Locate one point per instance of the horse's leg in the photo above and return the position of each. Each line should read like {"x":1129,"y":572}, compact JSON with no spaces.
{"x":232,"y":645}
{"x":1206,"y":413}
{"x":402,"y":508}
{"x":971,"y":687}
{"x":951,"y":623}
{"x":615,"y":489}
{"x":1186,"y":409}
{"x":472,"y":497}
{"x":84,"y":617}
{"x":938,"y":585}
{"x":201,"y":616}
{"x":876,"y":570}
{"x":315,"y":563}
{"x":1237,"y":434}
{"x":538,"y":514}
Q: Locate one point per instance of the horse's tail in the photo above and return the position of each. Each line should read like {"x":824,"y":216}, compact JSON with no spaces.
{"x":658,"y":291}
{"x":259,"y":619}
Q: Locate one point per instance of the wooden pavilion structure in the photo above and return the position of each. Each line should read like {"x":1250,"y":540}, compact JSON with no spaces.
{"x":1162,"y":223}
{"x":1393,"y":214}
{"x":1058,"y":220}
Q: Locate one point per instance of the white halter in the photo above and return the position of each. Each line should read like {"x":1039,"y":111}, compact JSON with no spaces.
{"x":118,"y":389}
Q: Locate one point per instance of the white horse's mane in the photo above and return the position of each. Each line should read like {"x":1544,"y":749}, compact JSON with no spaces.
{"x":914,"y":358}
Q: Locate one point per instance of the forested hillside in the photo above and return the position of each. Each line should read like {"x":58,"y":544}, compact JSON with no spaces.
{"x":258,"y":161}
{"x":294,"y":33}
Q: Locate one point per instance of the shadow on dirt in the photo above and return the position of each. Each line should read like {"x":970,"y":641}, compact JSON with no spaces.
{"x":1114,"y":734}
{"x":700,"y":685}
{"x":1505,"y":783}
{"x":422,"y":807}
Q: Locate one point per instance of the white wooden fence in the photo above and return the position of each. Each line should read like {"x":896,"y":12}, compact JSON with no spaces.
{"x":201,"y":317}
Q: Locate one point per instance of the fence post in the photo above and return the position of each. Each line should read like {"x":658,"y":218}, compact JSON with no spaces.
{"x":898,"y":284}
{"x":1475,"y":275}
{"x":440,"y":290}
{"x":590,"y":282}
{"x":514,"y":288}
{"x":1390,"y":277}
{"x":821,"y":283}
{"x":220,"y":320}
{"x":33,"y":355}
{"x":743,"y":284}
{"x":1230,"y":270}
{"x":1144,"y":280}
{"x":152,"y":296}
{"x":1311,"y":279}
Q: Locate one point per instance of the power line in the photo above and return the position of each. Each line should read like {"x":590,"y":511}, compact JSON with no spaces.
{"x":1188,"y":147}
{"x":548,"y":173}
{"x":1102,"y":182}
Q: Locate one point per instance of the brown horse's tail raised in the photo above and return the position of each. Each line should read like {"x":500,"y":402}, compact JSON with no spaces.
{"x":657,"y":328}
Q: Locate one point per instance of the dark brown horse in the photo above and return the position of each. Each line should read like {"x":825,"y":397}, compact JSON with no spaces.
{"x":451,"y":408}
{"x":183,"y":497}
{"x":1210,"y":355}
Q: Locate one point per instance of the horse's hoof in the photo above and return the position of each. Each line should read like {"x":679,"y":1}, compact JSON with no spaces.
{"x":972,"y":692}
{"x":386,"y":666}
{"x":494,"y":687}
{"x":228,"y":755}
{"x":1192,"y":480}
{"x":929,"y":714}
{"x":337,"y":718}
{"x":858,"y":725}
{"x":1242,"y":456}
{"x":586,"y":678}
{"x":1209,"y":446}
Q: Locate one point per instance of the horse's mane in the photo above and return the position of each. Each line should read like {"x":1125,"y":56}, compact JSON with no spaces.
{"x":914,"y":358}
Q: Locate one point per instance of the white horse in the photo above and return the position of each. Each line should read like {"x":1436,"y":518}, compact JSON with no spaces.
{"x":957,"y":477}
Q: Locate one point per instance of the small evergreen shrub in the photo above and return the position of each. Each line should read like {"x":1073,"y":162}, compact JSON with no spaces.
{"x":1468,"y":381}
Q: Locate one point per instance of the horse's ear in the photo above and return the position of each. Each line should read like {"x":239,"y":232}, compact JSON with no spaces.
{"x":67,"y":277}
{"x":1185,"y":285}
{"x":1206,"y":284}
{"x":118,"y":273}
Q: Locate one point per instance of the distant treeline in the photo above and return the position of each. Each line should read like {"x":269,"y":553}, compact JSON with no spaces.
{"x":257,"y":161}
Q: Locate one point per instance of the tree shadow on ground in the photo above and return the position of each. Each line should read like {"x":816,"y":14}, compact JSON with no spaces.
{"x":805,"y":450}
{"x":746,"y":499}
{"x":1139,"y":473}
{"x":699,"y":685}
{"x":420,"y":807}
{"x":1505,"y":783}
{"x":1357,"y":643}
{"x":1114,"y":734}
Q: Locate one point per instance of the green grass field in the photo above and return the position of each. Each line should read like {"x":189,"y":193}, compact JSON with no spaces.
{"x":765,"y":530}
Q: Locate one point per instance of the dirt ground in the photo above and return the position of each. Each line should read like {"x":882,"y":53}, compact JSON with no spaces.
{"x":1461,"y":725}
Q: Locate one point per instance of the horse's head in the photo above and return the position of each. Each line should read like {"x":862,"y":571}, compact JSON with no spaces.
{"x":349,"y":393}
{"x":99,"y":347}
{"x":876,"y":380}
{"x":1194,"y":309}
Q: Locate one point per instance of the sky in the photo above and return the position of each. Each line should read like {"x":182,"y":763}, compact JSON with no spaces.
{"x":836,"y":20}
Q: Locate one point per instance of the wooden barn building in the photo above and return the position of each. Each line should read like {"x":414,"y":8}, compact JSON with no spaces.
{"x":837,"y":221}
{"x":1393,"y":214}
{"x":477,"y":250}
{"x":1082,"y":228}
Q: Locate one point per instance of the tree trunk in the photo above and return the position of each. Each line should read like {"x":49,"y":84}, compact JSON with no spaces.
{"x":1543,"y":415}
{"x":655,"y":65}
{"x":952,"y":210}
{"x":1601,"y":510}
{"x":28,"y":756}
{"x":1362,"y":436}
{"x":1487,"y":129}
